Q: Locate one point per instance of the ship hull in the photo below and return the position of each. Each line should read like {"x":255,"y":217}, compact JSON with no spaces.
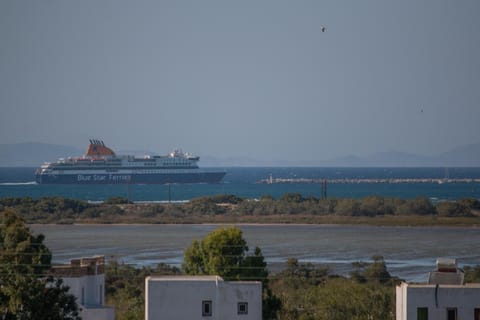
{"x":124,"y":178}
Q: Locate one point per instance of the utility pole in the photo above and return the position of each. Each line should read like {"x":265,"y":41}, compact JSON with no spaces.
{"x":128,"y":189}
{"x":169,"y":193}
{"x":324,"y":189}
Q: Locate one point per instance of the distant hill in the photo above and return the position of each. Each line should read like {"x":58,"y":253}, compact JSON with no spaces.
{"x":468,"y":156}
{"x":384,"y":159}
{"x":33,"y":154}
{"x":464,"y":156}
{"x":209,"y":161}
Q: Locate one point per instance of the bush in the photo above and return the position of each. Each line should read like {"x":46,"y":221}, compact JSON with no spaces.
{"x":117,"y":200}
{"x":291,"y":198}
{"x":453,"y":209}
{"x":347,"y":207}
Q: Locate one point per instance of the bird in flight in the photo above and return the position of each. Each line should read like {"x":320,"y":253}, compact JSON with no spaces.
{"x":323,"y":28}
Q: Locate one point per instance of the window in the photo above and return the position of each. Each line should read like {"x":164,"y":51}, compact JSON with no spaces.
{"x":206,"y":308}
{"x":477,"y":313}
{"x":242,"y":308}
{"x":422,"y":313}
{"x":451,"y":313}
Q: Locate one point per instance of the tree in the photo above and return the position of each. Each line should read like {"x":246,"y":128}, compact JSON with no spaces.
{"x":420,"y":206}
{"x":25,"y":292}
{"x":292,"y":198}
{"x":371,"y":272}
{"x":310,"y":292}
{"x":118,"y":200}
{"x":472,"y":274}
{"x":298,"y":275}
{"x":372,"y":206}
{"x":342,"y":298}
{"x":453,"y":209}
{"x":347,"y":207}
{"x":223,"y":252}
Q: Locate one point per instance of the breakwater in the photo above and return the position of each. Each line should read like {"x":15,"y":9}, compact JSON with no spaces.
{"x":272,"y":180}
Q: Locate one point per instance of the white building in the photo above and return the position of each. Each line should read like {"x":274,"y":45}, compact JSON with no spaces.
{"x":86,"y":279}
{"x":444,"y":297}
{"x":202,"y":297}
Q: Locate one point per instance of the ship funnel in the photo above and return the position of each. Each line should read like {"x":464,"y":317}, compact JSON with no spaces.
{"x":98,"y":149}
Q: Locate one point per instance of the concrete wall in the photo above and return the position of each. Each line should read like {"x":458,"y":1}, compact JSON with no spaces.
{"x":181,"y":298}
{"x":91,"y":302}
{"x":91,"y":286}
{"x":104,"y":313}
{"x":409,"y":297}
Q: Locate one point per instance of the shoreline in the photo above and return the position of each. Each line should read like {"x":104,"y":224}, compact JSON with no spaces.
{"x":390,"y":221}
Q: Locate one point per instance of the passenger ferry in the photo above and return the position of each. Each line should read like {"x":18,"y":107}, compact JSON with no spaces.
{"x":100,"y":165}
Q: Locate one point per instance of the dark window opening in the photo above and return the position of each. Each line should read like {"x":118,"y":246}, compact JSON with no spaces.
{"x":242,"y":308}
{"x":207,"y":308}
{"x":422,"y":313}
{"x":477,"y":313}
{"x":452,"y":314}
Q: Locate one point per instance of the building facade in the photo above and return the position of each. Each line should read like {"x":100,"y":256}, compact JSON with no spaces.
{"x":443,"y":297}
{"x":438,"y":302}
{"x":202,"y":297}
{"x":86,"y":279}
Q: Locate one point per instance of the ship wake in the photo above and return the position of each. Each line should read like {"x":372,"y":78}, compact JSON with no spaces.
{"x":18,"y":183}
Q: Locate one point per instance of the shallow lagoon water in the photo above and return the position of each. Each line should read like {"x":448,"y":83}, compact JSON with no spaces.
{"x":410,"y":252}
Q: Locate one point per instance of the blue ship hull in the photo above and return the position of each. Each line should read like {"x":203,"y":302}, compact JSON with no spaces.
{"x":102,"y":178}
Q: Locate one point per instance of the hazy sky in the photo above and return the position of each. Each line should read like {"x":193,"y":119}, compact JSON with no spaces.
{"x":254,"y":78}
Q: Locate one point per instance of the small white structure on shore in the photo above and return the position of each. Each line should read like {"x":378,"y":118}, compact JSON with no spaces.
{"x":86,"y":279}
{"x":444,"y":296}
{"x":202,"y":297}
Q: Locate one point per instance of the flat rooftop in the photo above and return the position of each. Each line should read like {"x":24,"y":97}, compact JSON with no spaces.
{"x":197,"y":278}
{"x":426,"y":285}
{"x":185,"y":278}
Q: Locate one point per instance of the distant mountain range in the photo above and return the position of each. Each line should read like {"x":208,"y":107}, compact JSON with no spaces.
{"x":464,"y":156}
{"x":33,"y":154}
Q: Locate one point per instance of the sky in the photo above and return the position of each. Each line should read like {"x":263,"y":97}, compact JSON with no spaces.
{"x":250,"y":78}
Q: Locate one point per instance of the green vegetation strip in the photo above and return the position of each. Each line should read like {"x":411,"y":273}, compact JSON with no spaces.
{"x":291,"y":208}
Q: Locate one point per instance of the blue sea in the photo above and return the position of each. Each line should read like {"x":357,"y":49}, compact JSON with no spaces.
{"x":242,"y":182}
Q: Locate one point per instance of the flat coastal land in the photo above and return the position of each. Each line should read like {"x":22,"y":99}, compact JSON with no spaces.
{"x":229,"y":209}
{"x":297,"y":219}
